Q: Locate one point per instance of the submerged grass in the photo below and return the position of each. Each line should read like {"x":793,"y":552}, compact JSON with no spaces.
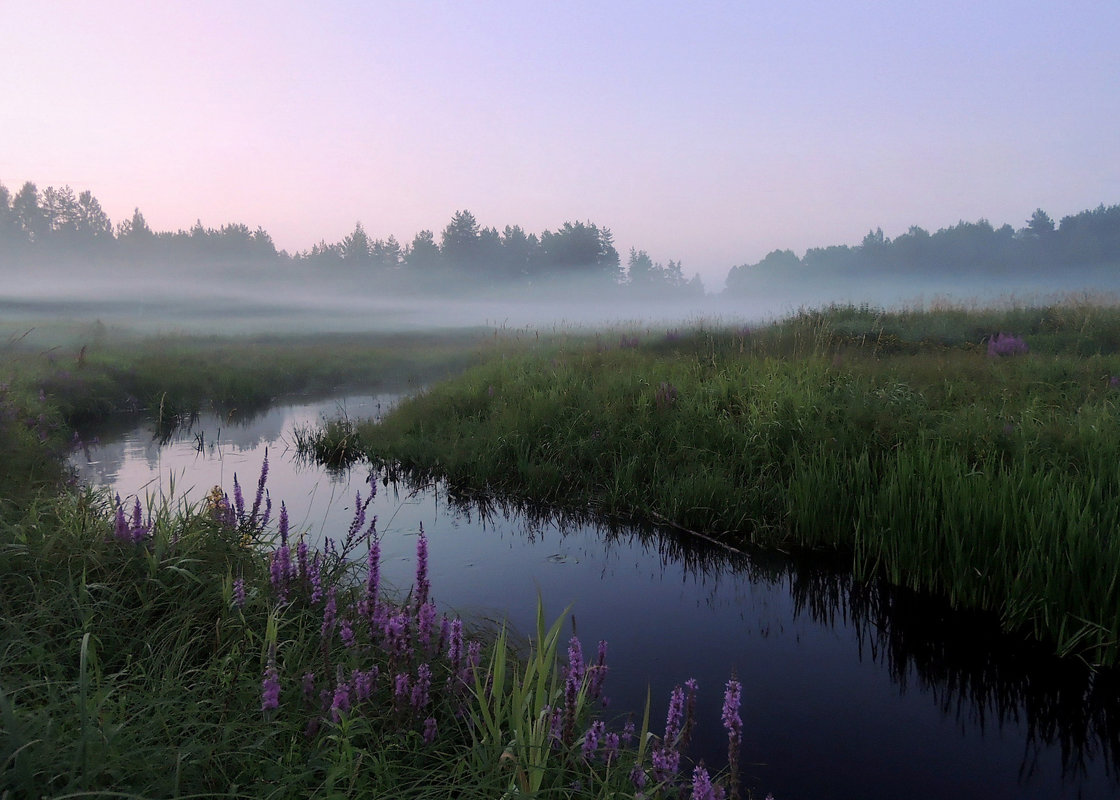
{"x":971,"y":453}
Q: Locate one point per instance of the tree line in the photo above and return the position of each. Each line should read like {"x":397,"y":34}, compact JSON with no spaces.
{"x":40,"y":225}
{"x":1090,"y":238}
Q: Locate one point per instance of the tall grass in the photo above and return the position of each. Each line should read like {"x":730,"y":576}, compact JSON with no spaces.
{"x":202,"y":651}
{"x":984,"y":473}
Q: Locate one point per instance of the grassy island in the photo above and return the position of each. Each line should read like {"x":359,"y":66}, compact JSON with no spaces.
{"x":966,"y":452}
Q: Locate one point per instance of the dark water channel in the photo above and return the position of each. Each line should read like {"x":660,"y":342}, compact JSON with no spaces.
{"x":849,"y":691}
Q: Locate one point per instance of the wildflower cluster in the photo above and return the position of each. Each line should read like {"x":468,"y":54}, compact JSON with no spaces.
{"x":1004,"y":344}
{"x":403,"y":665}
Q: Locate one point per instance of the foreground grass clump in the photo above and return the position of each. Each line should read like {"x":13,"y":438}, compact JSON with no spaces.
{"x":975,"y":454}
{"x":200,"y":652}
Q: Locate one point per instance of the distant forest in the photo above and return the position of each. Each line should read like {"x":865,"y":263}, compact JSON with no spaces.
{"x":56,"y":225}
{"x":1088,"y":239}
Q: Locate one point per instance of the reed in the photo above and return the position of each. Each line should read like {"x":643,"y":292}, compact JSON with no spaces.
{"x":971,"y":453}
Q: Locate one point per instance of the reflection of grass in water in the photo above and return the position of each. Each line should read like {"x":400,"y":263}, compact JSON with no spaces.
{"x":895,"y":437}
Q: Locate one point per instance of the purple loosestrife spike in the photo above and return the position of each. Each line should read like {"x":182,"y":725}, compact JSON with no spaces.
{"x":474,"y":654}
{"x":572,"y":685}
{"x":239,"y":593}
{"x":267,"y":509}
{"x":425,"y":620}
{"x":422,"y":585}
{"x":329,"y":612}
{"x":278,"y":573}
{"x":283,"y":524}
{"x":301,"y":559}
{"x":610,"y":748}
{"x":346,"y":633}
{"x":702,"y":788}
{"x":444,"y":633}
{"x":373,"y":573}
{"x":591,"y":739}
{"x":363,"y":683}
{"x":598,"y":674}
{"x":689,"y":712}
{"x":316,"y":580}
{"x":421,"y":687}
{"x":455,"y":645}
{"x":238,"y":500}
{"x":260,"y":493}
{"x":638,"y":777}
{"x":401,"y":689}
{"x":120,"y":525}
{"x":733,"y":723}
{"x":270,"y":686}
{"x":628,"y":731}
{"x":340,"y":702}
{"x":430,"y":730}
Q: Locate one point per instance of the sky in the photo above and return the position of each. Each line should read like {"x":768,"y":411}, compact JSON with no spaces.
{"x":705,"y":132}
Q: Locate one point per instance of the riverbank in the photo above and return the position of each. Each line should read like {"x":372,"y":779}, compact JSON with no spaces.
{"x":212,"y":639}
{"x":971,"y":453}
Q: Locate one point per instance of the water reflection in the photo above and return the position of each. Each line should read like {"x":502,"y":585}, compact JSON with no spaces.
{"x":973,"y":671}
{"x":850,"y":689}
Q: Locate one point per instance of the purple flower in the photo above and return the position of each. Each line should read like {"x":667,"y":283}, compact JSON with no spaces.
{"x":1114,"y":381}
{"x":401,"y":687}
{"x":628,"y":732}
{"x":690,"y":712}
{"x":308,"y":687}
{"x":280,"y":568}
{"x":572,"y":685}
{"x":455,"y":645}
{"x":238,"y":500}
{"x":733,"y":723}
{"x":702,"y":788}
{"x":425,"y":620}
{"x":363,"y":683}
{"x":340,"y":703}
{"x":239,"y":592}
{"x":329,"y":612}
{"x":598,"y":674}
{"x":260,"y":495}
{"x":610,"y":748}
{"x":1004,"y":344}
{"x":429,"y":730}
{"x":421,"y":687}
{"x":591,"y":739}
{"x":120,"y":525}
{"x":283,"y":524}
{"x":423,"y":587}
{"x":316,"y":576}
{"x":345,"y":632}
{"x":270,"y":686}
{"x":373,"y":574}
{"x":301,"y":559}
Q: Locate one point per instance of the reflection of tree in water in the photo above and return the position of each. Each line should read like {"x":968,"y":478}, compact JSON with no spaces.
{"x":976,"y":673}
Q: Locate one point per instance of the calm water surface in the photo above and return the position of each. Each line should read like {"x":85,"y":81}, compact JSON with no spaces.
{"x":848,"y":691}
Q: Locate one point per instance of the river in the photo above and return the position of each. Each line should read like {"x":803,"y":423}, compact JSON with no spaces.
{"x":849,"y":691}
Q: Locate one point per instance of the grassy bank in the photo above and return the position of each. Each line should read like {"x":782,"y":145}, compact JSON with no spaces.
{"x":149,"y":650}
{"x":971,"y":453}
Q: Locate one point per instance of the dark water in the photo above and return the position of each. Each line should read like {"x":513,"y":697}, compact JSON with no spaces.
{"x":849,"y":691}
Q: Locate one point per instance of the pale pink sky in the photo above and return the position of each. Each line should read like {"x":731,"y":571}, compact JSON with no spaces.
{"x":706,"y":132}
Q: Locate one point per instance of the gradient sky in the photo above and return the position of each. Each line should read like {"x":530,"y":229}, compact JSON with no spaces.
{"x":706,"y":132}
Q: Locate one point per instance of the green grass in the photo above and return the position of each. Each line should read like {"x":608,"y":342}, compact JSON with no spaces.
{"x":893,"y":437}
{"x":129,"y":669}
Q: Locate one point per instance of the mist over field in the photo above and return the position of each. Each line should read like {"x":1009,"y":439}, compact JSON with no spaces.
{"x":61,"y":257}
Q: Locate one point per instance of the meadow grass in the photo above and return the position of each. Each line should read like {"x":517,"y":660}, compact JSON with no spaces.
{"x":154,"y":650}
{"x":201,"y":651}
{"x":974,"y":453}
